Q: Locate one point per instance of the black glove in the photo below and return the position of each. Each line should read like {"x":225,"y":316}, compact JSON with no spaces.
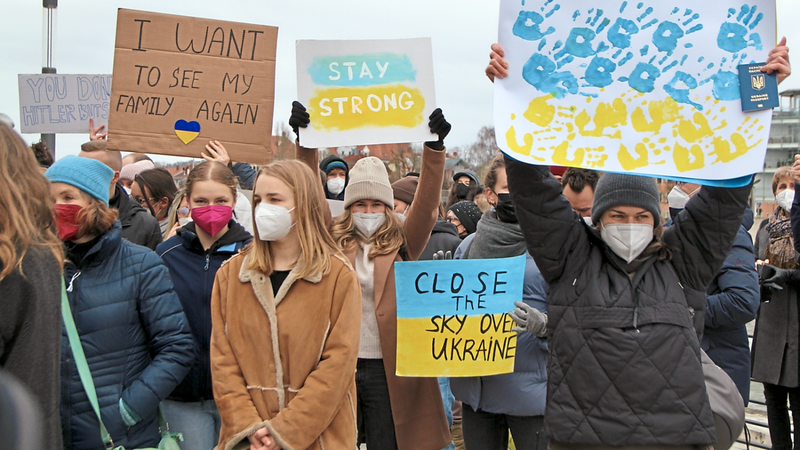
{"x":440,"y":127}
{"x":773,"y":277}
{"x":299,"y":118}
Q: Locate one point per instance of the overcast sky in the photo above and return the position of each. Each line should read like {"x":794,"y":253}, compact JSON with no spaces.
{"x":461,"y":31}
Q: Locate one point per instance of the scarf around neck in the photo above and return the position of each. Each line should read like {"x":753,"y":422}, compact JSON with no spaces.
{"x":496,"y":239}
{"x":780,"y":250}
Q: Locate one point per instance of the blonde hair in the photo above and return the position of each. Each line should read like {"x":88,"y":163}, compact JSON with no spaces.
{"x":316,"y":243}
{"x":389,"y":237}
{"x":173,"y":211}
{"x":26,"y":215}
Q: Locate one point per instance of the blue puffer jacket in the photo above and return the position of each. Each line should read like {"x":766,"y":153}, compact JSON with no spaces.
{"x":193,"y":270}
{"x":135,"y":337}
{"x":523,"y":392}
{"x":732,"y":302}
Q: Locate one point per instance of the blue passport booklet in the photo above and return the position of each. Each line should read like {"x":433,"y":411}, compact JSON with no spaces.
{"x":759,"y":90}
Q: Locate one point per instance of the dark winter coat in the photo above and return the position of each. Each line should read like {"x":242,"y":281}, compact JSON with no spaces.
{"x":30,"y":334}
{"x":135,"y":337}
{"x":624,"y":366}
{"x":523,"y":392}
{"x":444,"y":237}
{"x":776,"y":341}
{"x":732,"y":302}
{"x":138,"y":225}
{"x":192,"y":270}
{"x":246,"y":175}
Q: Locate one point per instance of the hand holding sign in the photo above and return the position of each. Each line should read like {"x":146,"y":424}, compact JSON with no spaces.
{"x":778,"y":61}
{"x":299,"y":118}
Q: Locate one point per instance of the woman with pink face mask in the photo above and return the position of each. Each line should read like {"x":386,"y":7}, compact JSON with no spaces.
{"x":193,"y":257}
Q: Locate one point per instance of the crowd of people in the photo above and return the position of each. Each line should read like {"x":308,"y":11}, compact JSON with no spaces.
{"x":272,"y":324}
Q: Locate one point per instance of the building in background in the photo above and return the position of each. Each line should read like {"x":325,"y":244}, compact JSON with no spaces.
{"x":784,"y":143}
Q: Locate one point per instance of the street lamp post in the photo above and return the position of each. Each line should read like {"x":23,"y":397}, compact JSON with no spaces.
{"x":48,"y":64}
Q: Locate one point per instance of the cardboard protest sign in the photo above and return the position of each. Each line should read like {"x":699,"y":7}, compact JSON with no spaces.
{"x":56,"y":103}
{"x":182,"y":81}
{"x":645,"y":87}
{"x":452,"y":316}
{"x":365,"y":92}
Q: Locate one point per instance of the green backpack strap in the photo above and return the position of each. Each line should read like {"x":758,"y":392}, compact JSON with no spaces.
{"x":83,"y":366}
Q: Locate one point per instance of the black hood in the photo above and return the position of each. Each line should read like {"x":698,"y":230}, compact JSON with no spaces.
{"x":323,"y":165}
{"x":443,"y":226}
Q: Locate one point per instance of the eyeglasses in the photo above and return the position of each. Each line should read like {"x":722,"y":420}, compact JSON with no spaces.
{"x":141,"y":201}
{"x":453,"y":220}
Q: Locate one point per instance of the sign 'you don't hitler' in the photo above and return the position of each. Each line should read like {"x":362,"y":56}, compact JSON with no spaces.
{"x":452,"y":316}
{"x":182,"y":81}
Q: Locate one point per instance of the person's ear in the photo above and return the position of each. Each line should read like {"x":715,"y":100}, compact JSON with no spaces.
{"x":115,"y":179}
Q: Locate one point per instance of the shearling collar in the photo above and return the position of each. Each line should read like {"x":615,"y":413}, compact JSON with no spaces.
{"x":262,"y":285}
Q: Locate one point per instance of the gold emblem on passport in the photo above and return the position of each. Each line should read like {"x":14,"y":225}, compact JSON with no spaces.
{"x":758,"y":81}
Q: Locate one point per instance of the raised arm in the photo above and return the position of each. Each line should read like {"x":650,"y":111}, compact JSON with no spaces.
{"x":735,"y":301}
{"x":702,"y":234}
{"x":553,"y":231}
{"x":422,"y":214}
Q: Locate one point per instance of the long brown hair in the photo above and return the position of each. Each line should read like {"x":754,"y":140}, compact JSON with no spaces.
{"x":316,"y":243}
{"x":389,"y":237}
{"x":26,"y":215}
{"x":95,"y":218}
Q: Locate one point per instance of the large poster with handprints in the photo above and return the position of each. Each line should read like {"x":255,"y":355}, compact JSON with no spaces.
{"x":649,"y":87}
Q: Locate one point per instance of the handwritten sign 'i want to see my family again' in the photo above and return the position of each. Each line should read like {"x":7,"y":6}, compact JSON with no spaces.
{"x":452,"y":316}
{"x":365,"y":92}
{"x":63,"y":103}
{"x":182,"y":81}
{"x":648,"y":87}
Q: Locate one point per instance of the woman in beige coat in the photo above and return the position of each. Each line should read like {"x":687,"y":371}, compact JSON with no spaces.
{"x":397,"y":412}
{"x":286,"y":314}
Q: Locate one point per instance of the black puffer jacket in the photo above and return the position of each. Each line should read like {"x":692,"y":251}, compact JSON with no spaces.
{"x":138,"y":226}
{"x":624,"y":367}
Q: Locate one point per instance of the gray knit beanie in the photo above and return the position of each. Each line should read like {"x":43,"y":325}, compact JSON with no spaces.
{"x":615,"y":189}
{"x":369,"y":181}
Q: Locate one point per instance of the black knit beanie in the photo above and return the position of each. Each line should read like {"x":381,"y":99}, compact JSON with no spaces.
{"x":615,"y":189}
{"x":468,"y":213}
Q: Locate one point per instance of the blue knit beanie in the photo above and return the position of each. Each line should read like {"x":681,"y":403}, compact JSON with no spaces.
{"x":88,"y":175}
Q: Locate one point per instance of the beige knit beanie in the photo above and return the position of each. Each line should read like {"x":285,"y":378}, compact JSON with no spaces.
{"x":369,"y":181}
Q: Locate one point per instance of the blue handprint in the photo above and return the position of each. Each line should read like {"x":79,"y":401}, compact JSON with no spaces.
{"x":733,"y":37}
{"x":527,"y":24}
{"x":540,"y":72}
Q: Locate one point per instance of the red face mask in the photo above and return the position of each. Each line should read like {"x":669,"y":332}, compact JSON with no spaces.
{"x":212,"y":218}
{"x":65,"y":219}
